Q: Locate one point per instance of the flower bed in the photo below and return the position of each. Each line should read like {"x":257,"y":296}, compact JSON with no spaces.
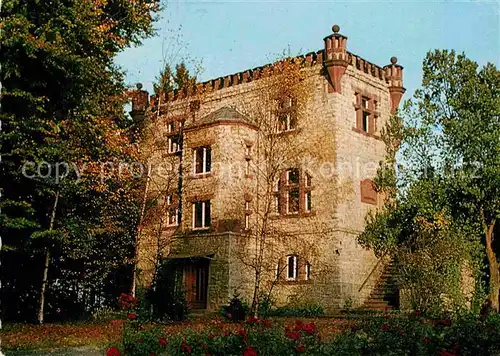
{"x":380,"y":336}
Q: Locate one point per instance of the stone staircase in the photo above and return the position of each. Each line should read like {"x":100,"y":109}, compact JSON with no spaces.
{"x":385,"y":294}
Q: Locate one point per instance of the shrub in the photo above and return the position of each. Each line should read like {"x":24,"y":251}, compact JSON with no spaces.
{"x":166,"y":299}
{"x":410,"y":335}
{"x":236,"y":310}
{"x":304,"y":310}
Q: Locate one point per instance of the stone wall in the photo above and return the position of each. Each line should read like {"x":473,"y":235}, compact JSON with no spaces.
{"x":339,"y":159}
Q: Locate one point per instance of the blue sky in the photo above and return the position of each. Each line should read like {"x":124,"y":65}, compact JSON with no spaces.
{"x":231,"y":36}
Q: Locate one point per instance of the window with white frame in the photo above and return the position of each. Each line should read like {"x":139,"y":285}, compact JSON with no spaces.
{"x":276,"y":205}
{"x":174,"y":144}
{"x":170,"y":127}
{"x":308,"y":201}
{"x":172,"y":211}
{"x":291,"y":267}
{"x":307,"y":275}
{"x":202,"y":160}
{"x":201,"y":214}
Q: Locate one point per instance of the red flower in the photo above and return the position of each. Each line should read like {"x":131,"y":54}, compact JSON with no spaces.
{"x":253,"y":320}
{"x":211,"y":336}
{"x":162,"y":341}
{"x":426,"y":340}
{"x":444,"y":322}
{"x":300,"y":349}
{"x":243,"y":332}
{"x":229,"y":315}
{"x":384,"y":326}
{"x":113,"y":351}
{"x":266,"y":322}
{"x":309,"y":328}
{"x":250,"y":351}
{"x":401,"y":332}
{"x":298,"y":323}
{"x":293,"y":335}
{"x":446,"y":353}
{"x":152,"y":354}
{"x":131,"y":316}
{"x":185,"y":347}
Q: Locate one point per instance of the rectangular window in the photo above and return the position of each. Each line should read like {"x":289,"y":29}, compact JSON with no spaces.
{"x":308,"y":271}
{"x":170,"y":127}
{"x":174,"y":144}
{"x":293,"y":201}
{"x":292,"y":176}
{"x":172,"y":211}
{"x":247,"y":205}
{"x":247,"y":167}
{"x":308,"y":204}
{"x":307,"y":180}
{"x":366,"y":121}
{"x":202,"y":160}
{"x":201,"y":214}
{"x":291,"y":273}
{"x":248,"y":150}
{"x":247,"y":222}
{"x":364,"y":102}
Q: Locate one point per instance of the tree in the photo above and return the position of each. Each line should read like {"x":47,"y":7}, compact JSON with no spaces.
{"x":450,"y":138}
{"x":62,"y":108}
{"x":160,"y":151}
{"x":285,"y":145}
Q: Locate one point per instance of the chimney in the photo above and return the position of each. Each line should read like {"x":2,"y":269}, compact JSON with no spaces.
{"x":336,"y":59}
{"x":394,"y":77}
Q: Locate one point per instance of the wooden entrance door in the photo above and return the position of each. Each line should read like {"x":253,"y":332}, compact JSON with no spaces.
{"x":195,"y":280}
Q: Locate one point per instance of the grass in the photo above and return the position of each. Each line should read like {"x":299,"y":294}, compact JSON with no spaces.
{"x":56,"y":336}
{"x":50,"y":337}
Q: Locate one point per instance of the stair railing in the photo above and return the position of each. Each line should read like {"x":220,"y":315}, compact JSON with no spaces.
{"x":372,"y":271}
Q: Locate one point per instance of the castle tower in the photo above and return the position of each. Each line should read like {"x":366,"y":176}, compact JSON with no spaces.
{"x":394,"y":77}
{"x":336,"y":58}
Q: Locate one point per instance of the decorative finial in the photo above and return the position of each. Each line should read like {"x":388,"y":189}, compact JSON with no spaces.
{"x":138,"y":86}
{"x":394,"y":60}
{"x":336,"y":29}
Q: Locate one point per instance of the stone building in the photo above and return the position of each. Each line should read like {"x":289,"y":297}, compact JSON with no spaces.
{"x":214,"y":201}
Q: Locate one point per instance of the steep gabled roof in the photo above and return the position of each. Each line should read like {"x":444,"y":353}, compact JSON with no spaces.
{"x":225,"y":114}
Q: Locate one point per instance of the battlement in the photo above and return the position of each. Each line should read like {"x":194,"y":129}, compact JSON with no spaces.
{"x":334,"y":58}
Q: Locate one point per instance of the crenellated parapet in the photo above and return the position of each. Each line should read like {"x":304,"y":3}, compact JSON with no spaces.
{"x":394,"y":77}
{"x":334,"y":59}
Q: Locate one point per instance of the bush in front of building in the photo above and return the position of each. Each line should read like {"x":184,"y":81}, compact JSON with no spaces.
{"x":387,"y":335}
{"x":166,"y":298}
{"x":236,"y":310}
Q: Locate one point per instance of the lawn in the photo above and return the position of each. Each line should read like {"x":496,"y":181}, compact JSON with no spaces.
{"x":101,"y":334}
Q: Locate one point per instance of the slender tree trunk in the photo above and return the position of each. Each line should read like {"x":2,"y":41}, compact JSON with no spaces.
{"x":493,"y":267}
{"x":46,"y":264}
{"x":138,"y":235}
